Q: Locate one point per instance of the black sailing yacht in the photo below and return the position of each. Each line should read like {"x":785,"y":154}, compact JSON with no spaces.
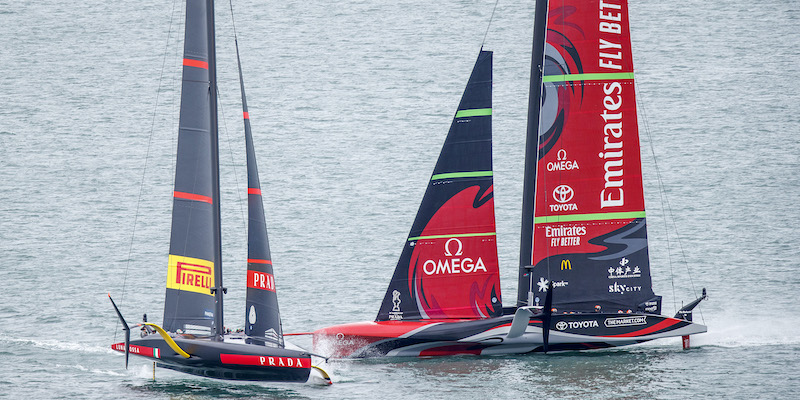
{"x":193,"y":339}
{"x":584,"y":277}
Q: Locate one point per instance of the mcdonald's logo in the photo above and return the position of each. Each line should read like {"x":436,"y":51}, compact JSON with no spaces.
{"x":566,"y":264}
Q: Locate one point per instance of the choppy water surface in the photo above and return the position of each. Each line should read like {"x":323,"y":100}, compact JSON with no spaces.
{"x":350,"y":103}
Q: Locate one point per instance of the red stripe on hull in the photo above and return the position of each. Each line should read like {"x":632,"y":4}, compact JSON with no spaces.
{"x":192,"y":196}
{"x":246,"y":115}
{"x":137,"y":350}
{"x":452,"y":350}
{"x":257,"y":261}
{"x":254,"y":191}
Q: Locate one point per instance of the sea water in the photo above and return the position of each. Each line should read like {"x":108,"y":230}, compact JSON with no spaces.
{"x":350,"y":103}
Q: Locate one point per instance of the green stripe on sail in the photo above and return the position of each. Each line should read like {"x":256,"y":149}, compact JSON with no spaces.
{"x":588,"y":77}
{"x":473,"y":174}
{"x":588,"y":217}
{"x":475,"y":112}
{"x":452,"y":236}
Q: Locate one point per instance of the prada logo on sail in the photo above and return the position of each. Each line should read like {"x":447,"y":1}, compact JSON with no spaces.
{"x":260,"y":280}
{"x":190,"y":274}
{"x":453,"y":265}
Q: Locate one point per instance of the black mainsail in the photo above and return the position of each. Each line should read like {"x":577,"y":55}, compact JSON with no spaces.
{"x":194,"y":266}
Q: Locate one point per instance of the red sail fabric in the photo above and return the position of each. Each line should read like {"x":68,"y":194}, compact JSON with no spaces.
{"x":589,"y":203}
{"x":456,"y":275}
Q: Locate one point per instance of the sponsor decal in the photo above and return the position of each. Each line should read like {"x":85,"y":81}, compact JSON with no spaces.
{"x":561,"y":236}
{"x":624,"y":270}
{"x":625,"y":321}
{"x":396,"y":314}
{"x":265,"y":361}
{"x":609,"y":58}
{"x":260,"y":280}
{"x":271,"y":334}
{"x":562,"y":163}
{"x":252,"y":315}
{"x":651,"y":306}
{"x":542,"y":284}
{"x":563,"y":194}
{"x":190,"y":274}
{"x":455,"y":264}
{"x":622,"y":289}
{"x":562,"y":325}
{"x":566,"y":264}
{"x":138,"y":350}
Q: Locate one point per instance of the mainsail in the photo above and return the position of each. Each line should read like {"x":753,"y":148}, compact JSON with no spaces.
{"x":589,"y":236}
{"x":448,"y":267}
{"x":194,"y":266}
{"x":262,"y":317}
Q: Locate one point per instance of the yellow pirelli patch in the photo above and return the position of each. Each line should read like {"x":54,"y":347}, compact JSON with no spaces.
{"x":190,"y":274}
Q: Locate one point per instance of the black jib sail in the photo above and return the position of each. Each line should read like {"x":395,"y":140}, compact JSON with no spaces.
{"x":194,"y":254}
{"x":448,"y":268}
{"x":262,"y":317}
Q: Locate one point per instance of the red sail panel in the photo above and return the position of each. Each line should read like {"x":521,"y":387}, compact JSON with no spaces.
{"x":456,"y":275}
{"x":589,"y":203}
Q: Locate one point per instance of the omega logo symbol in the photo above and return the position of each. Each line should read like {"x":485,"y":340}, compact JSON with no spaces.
{"x":561,"y":155}
{"x":563,"y":193}
{"x":447,"y":248}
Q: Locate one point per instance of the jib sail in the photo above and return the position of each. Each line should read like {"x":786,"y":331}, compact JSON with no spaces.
{"x":589,"y":236}
{"x":262,"y":317}
{"x":448,"y":267}
{"x":194,"y":261}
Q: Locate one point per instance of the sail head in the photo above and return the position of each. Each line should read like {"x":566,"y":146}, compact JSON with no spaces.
{"x":448,"y":267}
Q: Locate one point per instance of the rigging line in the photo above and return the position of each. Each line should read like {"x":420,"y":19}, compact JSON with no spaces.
{"x":233,"y":21}
{"x":227,"y":136}
{"x":662,"y":191}
{"x":233,"y":161}
{"x":489,"y":24}
{"x":236,"y":41}
{"x":146,"y":158}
